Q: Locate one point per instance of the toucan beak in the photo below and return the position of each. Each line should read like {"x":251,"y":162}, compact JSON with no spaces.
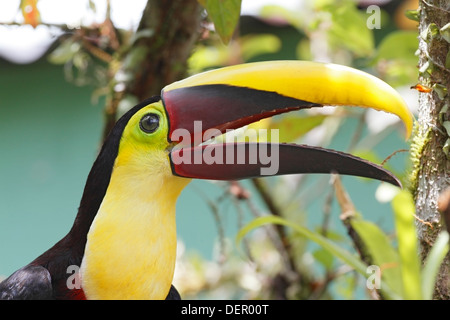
{"x":232,"y":97}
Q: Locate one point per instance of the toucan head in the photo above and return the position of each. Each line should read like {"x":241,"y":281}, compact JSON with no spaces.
{"x":165,"y":135}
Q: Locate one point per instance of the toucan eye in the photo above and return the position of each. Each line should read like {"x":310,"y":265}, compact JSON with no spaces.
{"x":149,"y":123}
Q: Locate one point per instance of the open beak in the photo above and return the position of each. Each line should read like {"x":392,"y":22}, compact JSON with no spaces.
{"x":208,"y":104}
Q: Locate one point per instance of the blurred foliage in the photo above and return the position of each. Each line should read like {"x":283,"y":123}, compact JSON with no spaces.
{"x":346,"y":28}
{"x":284,"y":257}
{"x":396,"y":56}
{"x":224,"y":15}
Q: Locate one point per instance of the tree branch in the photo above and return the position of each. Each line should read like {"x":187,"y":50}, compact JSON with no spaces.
{"x":157,"y":55}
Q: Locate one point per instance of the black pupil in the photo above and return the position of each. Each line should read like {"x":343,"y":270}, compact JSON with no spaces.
{"x":149,"y":123}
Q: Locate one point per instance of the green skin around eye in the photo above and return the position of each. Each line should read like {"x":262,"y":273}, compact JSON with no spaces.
{"x":149,"y":123}
{"x":158,"y":138}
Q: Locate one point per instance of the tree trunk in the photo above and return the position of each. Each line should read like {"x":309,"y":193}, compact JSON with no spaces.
{"x":156,"y":56}
{"x":431,"y":172}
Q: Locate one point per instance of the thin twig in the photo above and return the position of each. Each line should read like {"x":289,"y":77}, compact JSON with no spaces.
{"x":393,"y":154}
{"x":329,"y":278}
{"x":50,"y":25}
{"x":97,"y":52}
{"x":348,"y":212}
{"x":423,"y":221}
{"x":280,"y":240}
{"x":327,"y":212}
{"x":241,"y":215}
{"x":216,"y":214}
{"x":262,"y":189}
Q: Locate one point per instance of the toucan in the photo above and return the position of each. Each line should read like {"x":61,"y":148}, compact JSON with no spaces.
{"x":123,"y":239}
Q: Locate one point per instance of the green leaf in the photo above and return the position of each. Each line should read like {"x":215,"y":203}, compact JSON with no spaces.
{"x":225,"y":16}
{"x":446,"y":148}
{"x":398,"y":45}
{"x":397,"y":53}
{"x":433,"y":30}
{"x":324,"y":257}
{"x":445,"y":32}
{"x":325,"y":243}
{"x":447,"y":60}
{"x":279,"y":12}
{"x":331,"y":235}
{"x":446,"y":125}
{"x":432,"y":264}
{"x":92,"y":6}
{"x":349,"y":28}
{"x":412,"y":15}
{"x":404,"y":210}
{"x":440,"y":90}
{"x":381,"y":251}
{"x":205,"y":57}
{"x":346,"y":286}
{"x":255,"y":45}
{"x":429,"y":32}
{"x":337,"y":251}
{"x":64,"y":52}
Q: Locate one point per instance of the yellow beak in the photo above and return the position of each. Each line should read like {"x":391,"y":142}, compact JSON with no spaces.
{"x":312,"y":83}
